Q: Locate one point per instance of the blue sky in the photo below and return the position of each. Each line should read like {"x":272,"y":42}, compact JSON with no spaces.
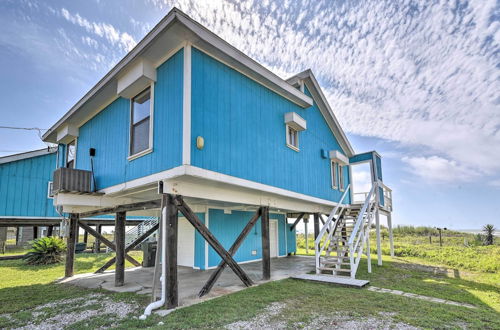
{"x":416,"y":80}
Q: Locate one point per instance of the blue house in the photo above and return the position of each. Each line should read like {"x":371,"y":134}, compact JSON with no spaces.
{"x":186,"y":114}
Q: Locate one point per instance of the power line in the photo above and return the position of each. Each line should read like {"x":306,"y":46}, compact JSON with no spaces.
{"x":25,"y":128}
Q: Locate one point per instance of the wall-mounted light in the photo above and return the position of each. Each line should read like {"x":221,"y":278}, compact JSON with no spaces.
{"x":200,"y":142}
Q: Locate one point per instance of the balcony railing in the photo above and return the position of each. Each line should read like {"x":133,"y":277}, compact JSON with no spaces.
{"x":72,"y":180}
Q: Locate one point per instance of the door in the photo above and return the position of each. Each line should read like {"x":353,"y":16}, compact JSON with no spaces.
{"x":273,"y":238}
{"x":185,"y":243}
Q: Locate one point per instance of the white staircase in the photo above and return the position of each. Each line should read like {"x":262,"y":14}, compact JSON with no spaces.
{"x":138,"y":231}
{"x":345,"y":236}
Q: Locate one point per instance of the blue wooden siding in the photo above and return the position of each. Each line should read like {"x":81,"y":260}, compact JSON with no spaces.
{"x":23,"y":187}
{"x":199,"y":245}
{"x":366,"y":156}
{"x":108,"y":132}
{"x":291,"y":239}
{"x":242,"y":123}
{"x":227,"y":227}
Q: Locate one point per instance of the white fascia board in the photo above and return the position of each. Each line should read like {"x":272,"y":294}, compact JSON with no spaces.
{"x":137,"y":78}
{"x":339,"y":157}
{"x":295,"y":121}
{"x":26,"y":155}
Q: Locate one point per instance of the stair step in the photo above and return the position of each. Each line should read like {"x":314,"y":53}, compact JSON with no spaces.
{"x":335,"y":269}
{"x":335,"y":263}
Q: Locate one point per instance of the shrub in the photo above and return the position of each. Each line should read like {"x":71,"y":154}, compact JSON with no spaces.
{"x":45,"y":251}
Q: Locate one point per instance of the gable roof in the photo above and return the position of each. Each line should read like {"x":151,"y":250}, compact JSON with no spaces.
{"x":175,"y":28}
{"x":312,"y":84}
{"x":26,"y":155}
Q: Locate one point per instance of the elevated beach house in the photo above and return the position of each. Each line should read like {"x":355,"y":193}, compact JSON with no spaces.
{"x":190,"y":129}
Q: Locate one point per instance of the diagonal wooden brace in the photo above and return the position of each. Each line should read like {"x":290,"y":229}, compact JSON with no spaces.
{"x":106,"y":242}
{"x":297,"y":221}
{"x":236,"y":245}
{"x":138,"y":241}
{"x":210,"y":238}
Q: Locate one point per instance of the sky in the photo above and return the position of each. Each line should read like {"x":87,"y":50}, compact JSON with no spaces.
{"x":418,"y":81}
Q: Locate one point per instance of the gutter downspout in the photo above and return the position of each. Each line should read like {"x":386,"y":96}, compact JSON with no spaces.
{"x":161,"y":302}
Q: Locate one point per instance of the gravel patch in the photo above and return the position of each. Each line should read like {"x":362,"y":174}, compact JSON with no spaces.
{"x":270,"y":319}
{"x":71,"y":311}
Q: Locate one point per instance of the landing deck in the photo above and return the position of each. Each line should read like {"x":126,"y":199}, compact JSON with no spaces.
{"x":345,"y":281}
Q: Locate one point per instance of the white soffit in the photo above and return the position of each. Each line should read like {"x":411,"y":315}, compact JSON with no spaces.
{"x":295,"y":121}
{"x":339,"y":157}
{"x":67,"y":134}
{"x":137,"y":78}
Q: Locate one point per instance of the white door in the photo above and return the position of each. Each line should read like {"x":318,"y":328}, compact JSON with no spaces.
{"x":185,"y":243}
{"x":273,"y":238}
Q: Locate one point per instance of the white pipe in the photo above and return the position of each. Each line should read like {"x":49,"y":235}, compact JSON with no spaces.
{"x":163,"y":280}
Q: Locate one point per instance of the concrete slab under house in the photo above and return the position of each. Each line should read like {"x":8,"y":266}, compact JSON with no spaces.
{"x":215,"y":154}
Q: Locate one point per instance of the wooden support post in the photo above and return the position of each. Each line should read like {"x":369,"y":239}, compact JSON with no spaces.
{"x":316,"y":225}
{"x":237,"y":243}
{"x":171,"y":224}
{"x":85,"y":237}
{"x":266,"y":246}
{"x":297,"y":221}
{"x":35,"y":232}
{"x":210,"y":238}
{"x":70,"y":244}
{"x":391,"y":239}
{"x":97,"y":242}
{"x":379,"y":245}
{"x":120,"y":219}
{"x":50,"y":231}
{"x":306,"y":221}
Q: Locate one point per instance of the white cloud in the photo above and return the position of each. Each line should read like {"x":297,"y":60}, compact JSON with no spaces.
{"x":418,"y":73}
{"x":436,"y":169}
{"x":103,"y":30}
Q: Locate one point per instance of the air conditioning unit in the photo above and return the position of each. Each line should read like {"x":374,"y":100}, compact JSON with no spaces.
{"x":72,"y":180}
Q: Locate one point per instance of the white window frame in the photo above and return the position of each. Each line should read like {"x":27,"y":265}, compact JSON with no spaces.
{"x":151,"y":125}
{"x":288,"y":142}
{"x":50,"y":189}
{"x":341,"y":177}
{"x":334,"y":174}
{"x":67,"y":153}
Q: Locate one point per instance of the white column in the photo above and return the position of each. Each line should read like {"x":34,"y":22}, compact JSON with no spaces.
{"x":377,"y":228}
{"x":389,"y":225}
{"x":307,"y":240}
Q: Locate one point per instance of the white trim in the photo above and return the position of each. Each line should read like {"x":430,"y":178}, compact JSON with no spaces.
{"x":49,"y":184}
{"x":341,"y":178}
{"x":288,"y":144}
{"x":186,"y":107}
{"x":277,"y":235}
{"x":26,"y":155}
{"x":149,"y":149}
{"x":334,"y":174}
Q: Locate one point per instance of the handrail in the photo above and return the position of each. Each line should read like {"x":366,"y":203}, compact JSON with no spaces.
{"x":331,"y":215}
{"x":359,"y":220}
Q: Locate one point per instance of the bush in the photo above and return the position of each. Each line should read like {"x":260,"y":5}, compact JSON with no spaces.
{"x":45,"y":251}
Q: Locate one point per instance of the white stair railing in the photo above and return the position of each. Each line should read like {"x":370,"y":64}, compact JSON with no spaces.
{"x":360,"y":234}
{"x":329,"y":228}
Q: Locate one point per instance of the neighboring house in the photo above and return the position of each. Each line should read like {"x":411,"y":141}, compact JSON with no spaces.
{"x":25,"y":194}
{"x":188,"y":114}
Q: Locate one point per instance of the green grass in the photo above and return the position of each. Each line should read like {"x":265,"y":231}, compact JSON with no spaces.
{"x":25,"y":287}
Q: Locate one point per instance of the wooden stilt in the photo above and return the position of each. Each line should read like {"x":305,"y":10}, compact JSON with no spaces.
{"x":85,"y":236}
{"x":97,"y":242}
{"x":266,"y":250}
{"x":210,"y":238}
{"x":391,"y":241}
{"x":171,"y":225}
{"x":70,"y":244}
{"x":50,"y":231}
{"x":120,"y":219}
{"x":237,"y":243}
{"x":316,"y":225}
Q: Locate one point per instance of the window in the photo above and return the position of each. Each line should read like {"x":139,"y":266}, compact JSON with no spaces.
{"x":292,"y":138}
{"x":140,"y":122}
{"x":341,"y":178}
{"x":334,"y":169}
{"x":71,"y":154}
{"x":50,"y":190}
